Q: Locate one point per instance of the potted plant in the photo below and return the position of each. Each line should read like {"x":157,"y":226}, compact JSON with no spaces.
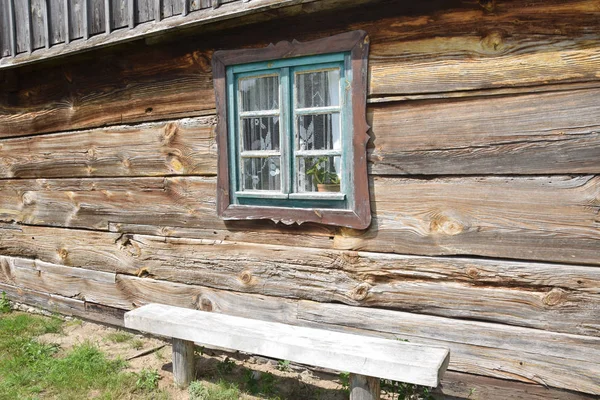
{"x":327,"y":181}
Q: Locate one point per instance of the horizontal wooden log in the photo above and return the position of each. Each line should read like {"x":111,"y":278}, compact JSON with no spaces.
{"x":64,"y":305}
{"x":464,"y":48}
{"x":541,"y":133}
{"x":538,"y":218}
{"x":477,"y":339}
{"x":527,"y":355}
{"x":461,"y":386}
{"x":183,"y":147}
{"x":545,"y":296}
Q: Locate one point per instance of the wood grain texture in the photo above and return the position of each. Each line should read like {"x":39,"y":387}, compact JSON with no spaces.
{"x":143,"y":83}
{"x":461,"y":386}
{"x":537,"y":218}
{"x":513,"y":366}
{"x":365,"y":355}
{"x":526,"y":355}
{"x":545,"y":296}
{"x":364,"y":388}
{"x":528,"y":134}
{"x":180,"y":147}
{"x":508,"y":217}
{"x":541,"y":133}
{"x":183,"y":362}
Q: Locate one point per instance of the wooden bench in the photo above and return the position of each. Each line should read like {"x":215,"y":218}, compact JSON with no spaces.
{"x":366,"y":358}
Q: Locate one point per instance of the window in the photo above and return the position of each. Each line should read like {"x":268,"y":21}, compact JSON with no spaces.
{"x":292,"y":132}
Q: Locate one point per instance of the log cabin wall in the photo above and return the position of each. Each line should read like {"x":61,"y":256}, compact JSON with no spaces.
{"x":484,"y":174}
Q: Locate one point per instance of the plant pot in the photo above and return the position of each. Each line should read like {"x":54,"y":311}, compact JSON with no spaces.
{"x":328,"y":187}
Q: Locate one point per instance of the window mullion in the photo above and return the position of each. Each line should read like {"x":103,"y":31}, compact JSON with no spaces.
{"x":285,"y":130}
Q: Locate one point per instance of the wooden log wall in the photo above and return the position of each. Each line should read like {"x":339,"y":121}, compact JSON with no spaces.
{"x":484,"y":176}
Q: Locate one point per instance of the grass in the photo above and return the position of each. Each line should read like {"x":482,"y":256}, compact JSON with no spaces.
{"x":119,"y":337}
{"x":34,"y":370}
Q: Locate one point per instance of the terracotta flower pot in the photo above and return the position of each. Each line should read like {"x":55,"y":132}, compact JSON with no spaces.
{"x":328,"y":187}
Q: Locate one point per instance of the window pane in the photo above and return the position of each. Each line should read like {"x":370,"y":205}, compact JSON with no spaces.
{"x":318,"y":89}
{"x":313,"y":171}
{"x":260,"y":133}
{"x":259,"y":93}
{"x":318,"y":132}
{"x":261,"y":174}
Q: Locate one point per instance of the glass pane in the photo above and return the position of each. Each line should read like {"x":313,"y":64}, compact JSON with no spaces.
{"x":259,"y":93}
{"x":318,"y":174}
{"x":260,"y":133}
{"x":261,"y":174}
{"x":318,"y":132}
{"x":318,"y":89}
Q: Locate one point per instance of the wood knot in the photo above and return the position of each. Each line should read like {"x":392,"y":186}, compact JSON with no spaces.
{"x":126,"y":163}
{"x":493,"y":41}
{"x":472,"y":273}
{"x":169,"y":133}
{"x":205,"y":304}
{"x":246,"y":277}
{"x":175,"y":165}
{"x":63,"y":253}
{"x":28,"y":198}
{"x":554,"y":297}
{"x":361,"y":291}
{"x":488,"y":5}
{"x":91,"y":154}
{"x":446,"y":225}
{"x":351,"y":257}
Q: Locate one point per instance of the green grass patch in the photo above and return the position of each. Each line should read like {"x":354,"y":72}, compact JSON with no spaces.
{"x":33,"y":370}
{"x":221,"y":391}
{"x":118,"y":337}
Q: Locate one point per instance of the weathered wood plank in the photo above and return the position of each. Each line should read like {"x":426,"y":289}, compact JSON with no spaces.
{"x":67,"y":21}
{"x":144,"y":11}
{"x":366,"y":355}
{"x":4,"y":30}
{"x":59,"y":304}
{"x":510,"y":352}
{"x":544,"y":296}
{"x":76,"y":19}
{"x":97,"y":22}
{"x":171,"y":8}
{"x":39,"y":33}
{"x":461,"y":386}
{"x":475,"y":337}
{"x":119,"y":13}
{"x":530,"y":134}
{"x":174,"y":148}
{"x":364,"y":387}
{"x":12,"y":28}
{"x":22,"y":12}
{"x":538,"y":218}
{"x":65,"y":305}
{"x":59,"y":108}
{"x":183,"y":362}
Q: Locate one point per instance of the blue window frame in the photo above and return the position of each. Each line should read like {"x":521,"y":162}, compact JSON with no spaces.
{"x":292,"y":132}
{"x":288,"y":124}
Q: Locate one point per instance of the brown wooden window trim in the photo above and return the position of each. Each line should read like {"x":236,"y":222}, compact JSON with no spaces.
{"x":357,"y":44}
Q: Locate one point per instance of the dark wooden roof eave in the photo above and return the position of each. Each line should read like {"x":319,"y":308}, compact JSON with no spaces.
{"x":227,"y":11}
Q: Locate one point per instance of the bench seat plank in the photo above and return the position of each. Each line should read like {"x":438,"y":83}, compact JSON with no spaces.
{"x":363,"y":355}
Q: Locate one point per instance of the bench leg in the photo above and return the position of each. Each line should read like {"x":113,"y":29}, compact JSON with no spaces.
{"x":364,"y":387}
{"x":183,"y":362}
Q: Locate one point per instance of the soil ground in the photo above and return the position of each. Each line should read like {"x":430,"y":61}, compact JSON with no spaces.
{"x":280,"y":380}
